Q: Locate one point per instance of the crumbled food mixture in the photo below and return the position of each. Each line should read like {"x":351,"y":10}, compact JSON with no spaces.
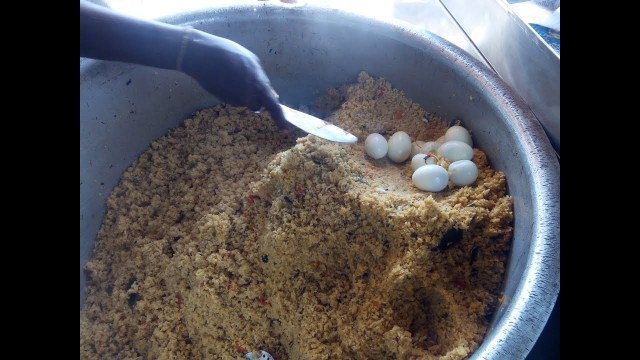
{"x":228,"y":236}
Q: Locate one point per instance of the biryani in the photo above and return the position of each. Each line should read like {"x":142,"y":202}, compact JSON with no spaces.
{"x":230,"y":236}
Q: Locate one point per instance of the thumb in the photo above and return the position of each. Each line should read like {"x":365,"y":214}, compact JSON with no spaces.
{"x":271,"y":103}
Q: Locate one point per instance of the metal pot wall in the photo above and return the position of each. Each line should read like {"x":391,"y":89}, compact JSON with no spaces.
{"x":305,"y":51}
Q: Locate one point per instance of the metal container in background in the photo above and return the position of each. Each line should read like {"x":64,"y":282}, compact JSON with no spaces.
{"x":305,"y":51}
{"x":518,"y":54}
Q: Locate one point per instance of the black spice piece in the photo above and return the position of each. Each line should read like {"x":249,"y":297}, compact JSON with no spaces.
{"x":474,"y":254}
{"x":130,"y":283}
{"x":450,"y":238}
{"x":180,"y":217}
{"x":265,"y":258}
{"x":133,"y":299}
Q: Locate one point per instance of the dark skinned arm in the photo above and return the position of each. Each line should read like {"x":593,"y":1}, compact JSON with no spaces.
{"x":224,"y":68}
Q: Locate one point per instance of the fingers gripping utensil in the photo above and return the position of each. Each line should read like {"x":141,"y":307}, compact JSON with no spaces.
{"x":317,"y":127}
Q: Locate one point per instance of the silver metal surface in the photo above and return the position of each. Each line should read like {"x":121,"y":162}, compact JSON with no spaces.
{"x":518,"y":54}
{"x":305,"y":51}
{"x":317,"y":127}
{"x":422,"y":15}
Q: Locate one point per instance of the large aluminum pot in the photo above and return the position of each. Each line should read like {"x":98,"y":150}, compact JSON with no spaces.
{"x":305,"y":51}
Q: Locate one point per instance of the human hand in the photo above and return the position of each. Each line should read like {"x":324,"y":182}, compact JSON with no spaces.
{"x":230,"y":72}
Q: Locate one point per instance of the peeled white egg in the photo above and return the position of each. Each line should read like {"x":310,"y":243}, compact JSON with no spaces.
{"x":399,"y":147}
{"x":455,"y":150}
{"x":430,"y":146}
{"x":430,"y":178}
{"x":421,"y":160}
{"x":376,"y":146}
{"x":416,"y":146}
{"x":463,"y":172}
{"x":422,"y":147}
{"x":459,"y":133}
